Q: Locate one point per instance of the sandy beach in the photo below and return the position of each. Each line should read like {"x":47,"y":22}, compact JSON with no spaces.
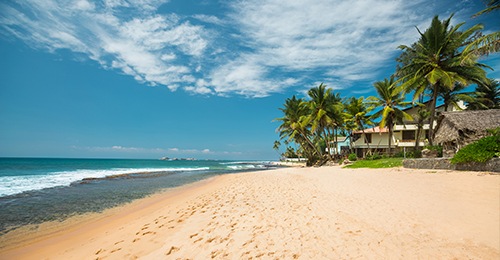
{"x":291,"y":213}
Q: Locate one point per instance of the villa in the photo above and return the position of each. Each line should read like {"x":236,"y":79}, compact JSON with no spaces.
{"x":340,"y":146}
{"x":404,"y":138}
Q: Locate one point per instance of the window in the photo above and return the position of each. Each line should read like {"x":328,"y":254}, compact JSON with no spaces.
{"x":409,"y":135}
{"x":368,"y":138}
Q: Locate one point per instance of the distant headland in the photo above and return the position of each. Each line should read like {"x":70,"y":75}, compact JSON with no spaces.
{"x":165,"y":158}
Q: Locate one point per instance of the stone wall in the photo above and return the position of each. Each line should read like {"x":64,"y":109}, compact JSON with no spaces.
{"x":492,"y":165}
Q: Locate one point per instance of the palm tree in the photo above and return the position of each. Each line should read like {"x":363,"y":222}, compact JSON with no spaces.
{"x":390,"y":99}
{"x":492,"y":5}
{"x":357,"y":115}
{"x":276,"y":146}
{"x":324,"y":111}
{"x":486,"y":96}
{"x":453,"y":96}
{"x":486,"y":44}
{"x":422,"y":115}
{"x":438,"y":60}
{"x":293,"y":127}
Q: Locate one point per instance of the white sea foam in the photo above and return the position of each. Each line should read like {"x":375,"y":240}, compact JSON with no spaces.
{"x":246,"y":166}
{"x":10,"y":185}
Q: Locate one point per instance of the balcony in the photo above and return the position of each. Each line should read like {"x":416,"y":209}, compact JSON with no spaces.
{"x":409,"y":143}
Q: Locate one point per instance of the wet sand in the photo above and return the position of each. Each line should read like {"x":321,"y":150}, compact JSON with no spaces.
{"x":304,"y":213}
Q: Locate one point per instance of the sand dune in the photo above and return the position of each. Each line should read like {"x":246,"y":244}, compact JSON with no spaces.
{"x":294,"y":213}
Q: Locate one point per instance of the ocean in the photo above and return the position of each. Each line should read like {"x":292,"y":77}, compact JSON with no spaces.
{"x":35,"y":190}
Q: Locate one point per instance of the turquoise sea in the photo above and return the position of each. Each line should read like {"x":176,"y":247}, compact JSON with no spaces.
{"x":35,"y":190}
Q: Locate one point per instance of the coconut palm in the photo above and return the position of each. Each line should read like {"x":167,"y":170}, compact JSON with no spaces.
{"x":438,"y":60}
{"x":486,"y":96}
{"x":453,"y":96}
{"x":357,"y":115}
{"x":422,"y":115}
{"x":276,"y":146}
{"x":293,"y":127}
{"x":390,"y":99}
{"x":324,"y":113}
{"x":486,"y":44}
{"x":492,"y":5}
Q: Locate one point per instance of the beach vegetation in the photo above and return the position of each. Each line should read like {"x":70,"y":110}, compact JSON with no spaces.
{"x":480,"y":151}
{"x":491,"y":6}
{"x":374,"y":156}
{"x":358,"y":115}
{"x":437,"y":148}
{"x":391,"y":101}
{"x":442,"y":58}
{"x":293,"y":128}
{"x":485,"y":96}
{"x":352,"y":157}
{"x":378,"y":163}
{"x":313,"y":124}
{"x":442,"y":63}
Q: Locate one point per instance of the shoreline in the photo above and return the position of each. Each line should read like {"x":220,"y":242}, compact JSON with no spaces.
{"x":31,"y":234}
{"x":288,"y":212}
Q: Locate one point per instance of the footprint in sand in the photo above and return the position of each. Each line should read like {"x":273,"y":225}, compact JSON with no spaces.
{"x":115,"y":250}
{"x":173,"y":249}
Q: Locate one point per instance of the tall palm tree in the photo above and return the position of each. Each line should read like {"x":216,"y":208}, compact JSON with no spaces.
{"x":323,"y":108}
{"x":390,"y":99}
{"x":357,"y":115}
{"x":438,"y":60}
{"x":293,"y":127}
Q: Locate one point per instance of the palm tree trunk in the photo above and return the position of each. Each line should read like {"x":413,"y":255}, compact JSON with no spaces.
{"x":390,"y":140}
{"x":310,"y":143}
{"x":390,"y":126}
{"x":433,"y":113}
{"x":364,"y":137}
{"x":328,"y":147}
{"x":417,"y":137}
{"x":335,"y":132}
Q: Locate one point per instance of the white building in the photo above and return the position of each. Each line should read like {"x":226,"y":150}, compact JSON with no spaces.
{"x":403,"y":139}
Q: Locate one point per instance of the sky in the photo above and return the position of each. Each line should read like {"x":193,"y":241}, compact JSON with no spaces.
{"x":185,"y":78}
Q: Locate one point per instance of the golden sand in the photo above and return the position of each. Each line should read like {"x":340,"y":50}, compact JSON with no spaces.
{"x":304,"y":213}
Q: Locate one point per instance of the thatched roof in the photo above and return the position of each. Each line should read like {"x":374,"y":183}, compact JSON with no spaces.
{"x":463,"y":127}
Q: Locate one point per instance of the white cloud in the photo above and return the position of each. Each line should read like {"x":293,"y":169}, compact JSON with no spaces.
{"x":122,"y":149}
{"x":140,"y":43}
{"x":342,"y":39}
{"x":209,"y":19}
{"x":188,"y":151}
{"x":155,"y":151}
{"x":258,"y":48}
{"x":248,"y":78}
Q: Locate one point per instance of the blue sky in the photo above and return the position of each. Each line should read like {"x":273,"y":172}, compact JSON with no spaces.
{"x":182,"y":78}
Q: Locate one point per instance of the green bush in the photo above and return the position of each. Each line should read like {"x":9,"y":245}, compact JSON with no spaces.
{"x":437,"y":148}
{"x":479,"y":151}
{"x":374,"y":156}
{"x":399,"y":155}
{"x":352,"y":157}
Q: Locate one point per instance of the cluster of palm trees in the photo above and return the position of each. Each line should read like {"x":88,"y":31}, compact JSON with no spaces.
{"x":441,"y":64}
